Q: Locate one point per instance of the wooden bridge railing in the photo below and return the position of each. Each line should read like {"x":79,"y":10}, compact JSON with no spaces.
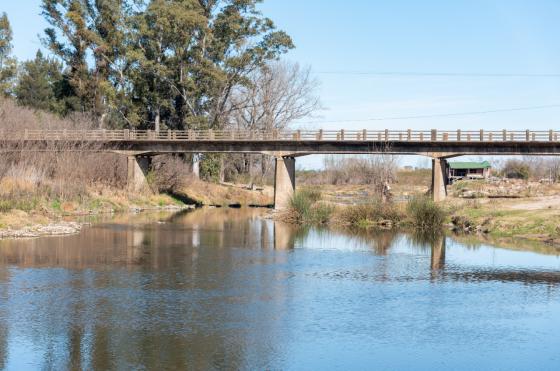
{"x":284,"y":135}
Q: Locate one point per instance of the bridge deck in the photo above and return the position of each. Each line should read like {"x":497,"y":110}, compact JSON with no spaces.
{"x":295,"y":142}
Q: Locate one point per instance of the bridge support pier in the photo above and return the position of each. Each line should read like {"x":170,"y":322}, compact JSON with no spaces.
{"x":284,"y":182}
{"x":439,"y":179}
{"x":138,"y":168}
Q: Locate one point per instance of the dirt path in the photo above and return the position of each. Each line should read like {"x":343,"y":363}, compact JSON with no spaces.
{"x":536,"y":203}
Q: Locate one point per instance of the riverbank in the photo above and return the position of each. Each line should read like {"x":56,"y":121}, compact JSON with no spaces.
{"x":32,"y":213}
{"x":36,"y":216}
{"x":499,"y":210}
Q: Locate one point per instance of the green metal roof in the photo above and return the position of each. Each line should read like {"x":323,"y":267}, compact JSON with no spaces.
{"x":470,"y":165}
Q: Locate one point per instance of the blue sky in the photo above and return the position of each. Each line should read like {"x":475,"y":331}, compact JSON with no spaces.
{"x":430,"y":36}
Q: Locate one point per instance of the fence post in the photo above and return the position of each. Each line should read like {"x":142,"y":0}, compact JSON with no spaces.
{"x":445,"y":136}
{"x":342,"y":134}
{"x":320,"y":134}
{"x":468,"y":137}
{"x":504,"y":133}
{"x":527,"y":135}
{"x":126,"y":134}
{"x":386,"y":135}
{"x":481,"y":135}
{"x":458,"y":135}
{"x":409,"y":135}
{"x":364,"y":134}
{"x":490,"y":137}
{"x":421,"y":136}
{"x":533,"y":137}
{"x":550,"y":135}
{"x":434,"y":135}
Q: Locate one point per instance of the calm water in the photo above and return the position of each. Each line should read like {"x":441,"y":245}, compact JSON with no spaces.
{"x":225,"y":289}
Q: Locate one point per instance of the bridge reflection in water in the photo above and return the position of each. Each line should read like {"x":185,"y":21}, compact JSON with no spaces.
{"x":208,"y":288}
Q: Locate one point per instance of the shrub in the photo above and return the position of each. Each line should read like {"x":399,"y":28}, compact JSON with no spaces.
{"x":210,"y":167}
{"x":516,"y":169}
{"x":372,"y":213}
{"x":425,"y":214}
{"x":305,"y":208}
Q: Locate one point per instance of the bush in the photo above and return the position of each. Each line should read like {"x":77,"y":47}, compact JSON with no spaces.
{"x":425,"y":214}
{"x":373,"y":213}
{"x":305,"y":208}
{"x":516,"y":169}
{"x":210,"y":167}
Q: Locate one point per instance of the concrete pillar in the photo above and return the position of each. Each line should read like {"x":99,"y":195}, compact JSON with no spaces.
{"x":439,"y":179}
{"x":196,"y":165}
{"x":138,"y":168}
{"x":284,"y":182}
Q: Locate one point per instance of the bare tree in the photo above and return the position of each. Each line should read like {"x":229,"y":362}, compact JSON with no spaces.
{"x":277,"y":95}
{"x":274,"y":97}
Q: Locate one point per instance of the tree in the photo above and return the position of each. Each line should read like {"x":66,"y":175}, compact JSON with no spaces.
{"x":94,"y":31}
{"x":516,"y":169}
{"x":69,"y":39}
{"x":160,"y":62}
{"x":194,"y":54}
{"x":40,"y":84}
{"x":8,"y":64}
{"x":239,"y":42}
{"x":277,"y":94}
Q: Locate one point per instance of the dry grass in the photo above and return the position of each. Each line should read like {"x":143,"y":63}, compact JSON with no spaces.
{"x":224,"y":195}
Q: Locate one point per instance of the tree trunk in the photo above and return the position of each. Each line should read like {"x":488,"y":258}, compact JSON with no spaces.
{"x":157,"y":120}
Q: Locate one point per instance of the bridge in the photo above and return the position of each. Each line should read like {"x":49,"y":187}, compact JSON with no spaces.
{"x":286,"y":145}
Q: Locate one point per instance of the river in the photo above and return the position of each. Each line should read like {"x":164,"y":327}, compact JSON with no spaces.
{"x":229,"y":289}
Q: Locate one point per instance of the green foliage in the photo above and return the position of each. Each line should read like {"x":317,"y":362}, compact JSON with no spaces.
{"x":306,"y":208}
{"x":168,"y":63}
{"x":8,"y":64}
{"x":210,"y":166}
{"x":25,"y":204}
{"x":56,"y":205}
{"x":372,"y":213}
{"x":40,"y":84}
{"x":425,"y":214}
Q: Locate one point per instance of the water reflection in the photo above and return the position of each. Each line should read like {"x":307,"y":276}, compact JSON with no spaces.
{"x":231,"y":289}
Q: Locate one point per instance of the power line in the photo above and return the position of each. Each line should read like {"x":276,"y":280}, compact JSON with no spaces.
{"x":438,"y":115}
{"x":436,"y":74}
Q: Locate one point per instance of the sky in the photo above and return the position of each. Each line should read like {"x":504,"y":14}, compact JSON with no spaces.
{"x":378,"y":61}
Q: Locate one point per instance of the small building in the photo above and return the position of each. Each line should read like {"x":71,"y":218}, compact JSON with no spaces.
{"x":468,"y":170}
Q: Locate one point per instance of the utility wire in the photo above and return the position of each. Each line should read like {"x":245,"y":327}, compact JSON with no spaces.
{"x":438,"y":115}
{"x":436,"y":74}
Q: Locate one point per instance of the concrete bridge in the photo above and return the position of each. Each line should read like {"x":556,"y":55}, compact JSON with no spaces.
{"x":286,"y":146}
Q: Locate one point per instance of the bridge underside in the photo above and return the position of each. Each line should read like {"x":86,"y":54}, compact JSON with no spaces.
{"x":296,"y":148}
